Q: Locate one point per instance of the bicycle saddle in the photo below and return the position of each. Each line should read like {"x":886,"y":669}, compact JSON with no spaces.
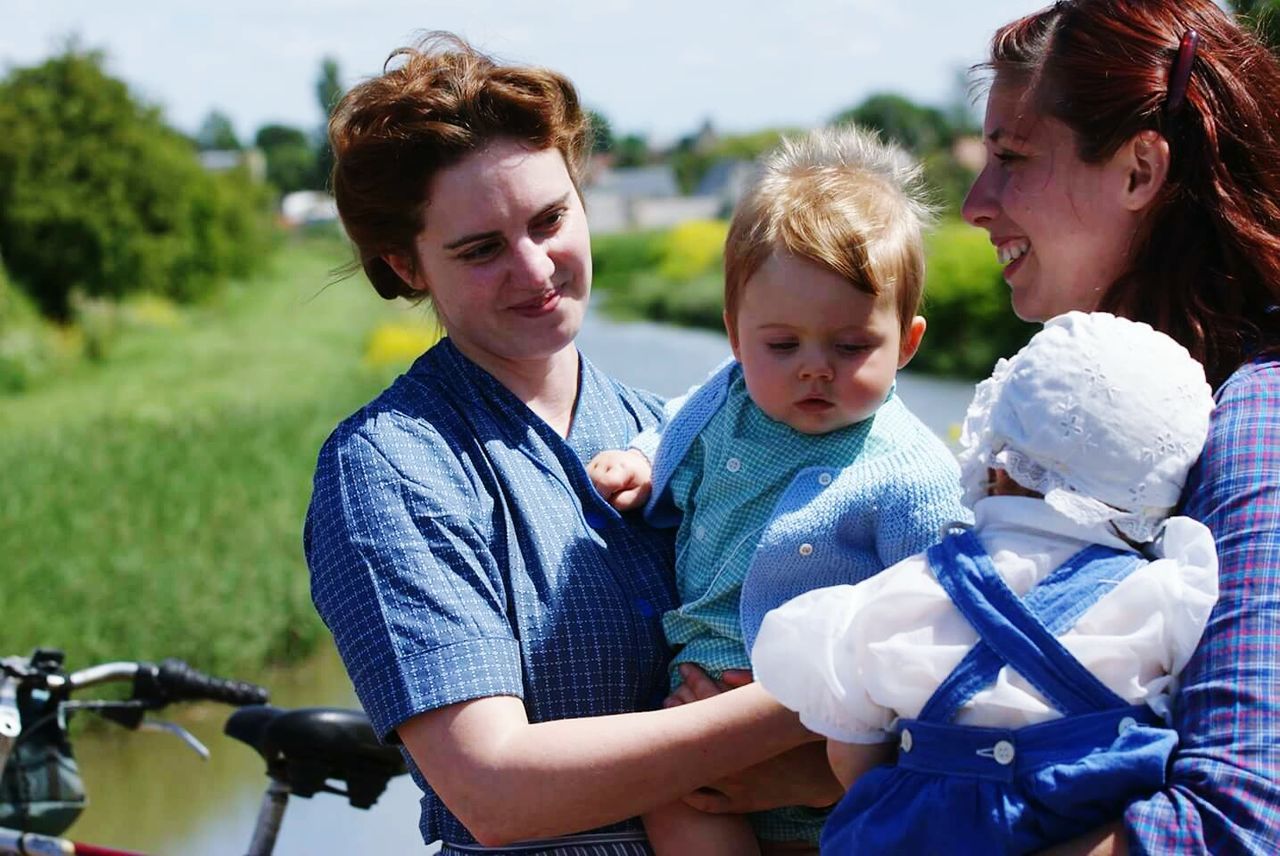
{"x":307,"y":747}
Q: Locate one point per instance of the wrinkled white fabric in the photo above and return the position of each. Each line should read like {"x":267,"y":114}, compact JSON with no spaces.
{"x":853,"y":659}
{"x":1102,"y":415}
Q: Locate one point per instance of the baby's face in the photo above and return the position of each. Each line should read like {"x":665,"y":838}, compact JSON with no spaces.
{"x":817,"y":353}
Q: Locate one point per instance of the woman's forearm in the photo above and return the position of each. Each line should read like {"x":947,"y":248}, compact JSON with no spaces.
{"x":509,"y":780}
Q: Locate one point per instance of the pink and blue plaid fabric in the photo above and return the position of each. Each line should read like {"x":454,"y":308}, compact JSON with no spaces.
{"x":1224,"y":790}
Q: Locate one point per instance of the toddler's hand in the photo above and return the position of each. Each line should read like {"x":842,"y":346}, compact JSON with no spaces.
{"x":622,"y":476}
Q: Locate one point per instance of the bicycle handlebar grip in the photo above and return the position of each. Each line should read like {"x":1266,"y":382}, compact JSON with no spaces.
{"x":174,"y":680}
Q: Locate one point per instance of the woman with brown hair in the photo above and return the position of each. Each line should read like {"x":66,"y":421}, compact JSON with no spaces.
{"x":496,"y":615}
{"x":1134,"y":167}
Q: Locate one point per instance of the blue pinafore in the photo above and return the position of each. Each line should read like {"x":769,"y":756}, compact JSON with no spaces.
{"x":964,"y":789}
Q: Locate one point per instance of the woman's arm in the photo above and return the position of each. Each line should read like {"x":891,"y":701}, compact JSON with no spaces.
{"x":1224,"y":782}
{"x":508,"y":780}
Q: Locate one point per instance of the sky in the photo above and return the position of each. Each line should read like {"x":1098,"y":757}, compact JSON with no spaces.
{"x":659,"y":68}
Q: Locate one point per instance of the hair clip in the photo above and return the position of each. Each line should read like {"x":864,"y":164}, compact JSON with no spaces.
{"x":1181,"y":76}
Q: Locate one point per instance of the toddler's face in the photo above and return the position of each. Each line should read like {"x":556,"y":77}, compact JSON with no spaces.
{"x":817,"y":353}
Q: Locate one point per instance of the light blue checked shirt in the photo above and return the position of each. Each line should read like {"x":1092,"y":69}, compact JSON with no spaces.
{"x":458,"y":550}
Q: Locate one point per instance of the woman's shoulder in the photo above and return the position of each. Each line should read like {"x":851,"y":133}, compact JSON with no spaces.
{"x":1257,"y":381}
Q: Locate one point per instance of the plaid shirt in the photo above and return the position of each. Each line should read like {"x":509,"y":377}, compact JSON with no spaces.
{"x":458,"y":551}
{"x":1224,"y":790}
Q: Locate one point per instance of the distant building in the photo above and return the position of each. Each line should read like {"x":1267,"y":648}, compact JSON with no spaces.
{"x":648,"y":197}
{"x":222,"y":160}
{"x":304,"y":207}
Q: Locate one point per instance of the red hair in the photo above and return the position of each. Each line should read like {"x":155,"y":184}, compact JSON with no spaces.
{"x":1206,"y":265}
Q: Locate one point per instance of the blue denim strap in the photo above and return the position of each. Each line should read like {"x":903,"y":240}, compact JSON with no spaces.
{"x":1021,"y":633}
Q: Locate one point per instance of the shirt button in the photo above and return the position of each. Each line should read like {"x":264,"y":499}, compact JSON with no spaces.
{"x":733,"y":465}
{"x":1003,"y":752}
{"x":906,"y":741}
{"x":825,"y":478}
{"x":1125,"y":724}
{"x":806,"y":549}
{"x":700,"y":532}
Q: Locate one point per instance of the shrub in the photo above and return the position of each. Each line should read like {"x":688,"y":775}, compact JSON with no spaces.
{"x":98,"y":195}
{"x":692,"y":249}
{"x":966,"y":302}
{"x":674,"y":276}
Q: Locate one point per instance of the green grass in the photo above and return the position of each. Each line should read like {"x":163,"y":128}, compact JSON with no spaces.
{"x":152,"y":505}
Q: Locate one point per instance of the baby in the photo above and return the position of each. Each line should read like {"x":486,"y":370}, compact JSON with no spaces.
{"x":1024,"y":666}
{"x":794,"y":465}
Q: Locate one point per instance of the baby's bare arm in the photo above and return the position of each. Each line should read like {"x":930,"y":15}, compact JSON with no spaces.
{"x":850,"y":760}
{"x":622,"y":476}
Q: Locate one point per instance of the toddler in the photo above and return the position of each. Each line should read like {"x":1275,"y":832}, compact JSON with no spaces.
{"x":794,"y":465}
{"x":1024,"y":666}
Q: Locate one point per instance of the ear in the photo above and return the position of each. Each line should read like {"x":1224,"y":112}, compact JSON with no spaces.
{"x":1145,"y":161}
{"x":399,"y":262}
{"x":911,"y":341}
{"x":732,"y":330}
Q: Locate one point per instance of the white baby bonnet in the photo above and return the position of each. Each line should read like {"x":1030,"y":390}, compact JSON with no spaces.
{"x":1102,"y":415}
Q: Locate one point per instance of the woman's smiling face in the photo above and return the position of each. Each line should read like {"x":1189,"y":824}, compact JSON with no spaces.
{"x":505,"y":253}
{"x":1058,"y":223}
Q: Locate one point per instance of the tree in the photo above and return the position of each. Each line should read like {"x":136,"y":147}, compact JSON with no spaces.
{"x":913,"y":126}
{"x":329,"y":92}
{"x":217,"y":133}
{"x":98,"y":194}
{"x":631,"y":150}
{"x":291,"y":158}
{"x":601,"y":132}
{"x":1263,"y":16}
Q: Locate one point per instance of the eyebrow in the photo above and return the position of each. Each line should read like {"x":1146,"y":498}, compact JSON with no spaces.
{"x":1001,"y":133}
{"x":494,"y":233}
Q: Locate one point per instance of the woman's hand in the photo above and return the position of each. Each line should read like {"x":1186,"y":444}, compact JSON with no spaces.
{"x":799,"y":777}
{"x":622,"y":476}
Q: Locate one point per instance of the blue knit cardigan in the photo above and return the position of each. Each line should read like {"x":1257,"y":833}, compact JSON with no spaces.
{"x":831,"y":526}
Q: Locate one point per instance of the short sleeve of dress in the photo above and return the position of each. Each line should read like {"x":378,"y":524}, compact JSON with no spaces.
{"x":403,"y":578}
{"x":810,"y":657}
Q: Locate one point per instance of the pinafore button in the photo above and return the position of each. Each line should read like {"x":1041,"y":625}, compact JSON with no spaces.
{"x":1003,"y":752}
{"x":906,"y":740}
{"x":1125,"y":724}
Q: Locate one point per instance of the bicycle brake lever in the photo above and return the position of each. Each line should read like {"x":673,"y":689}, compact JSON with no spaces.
{"x":10,"y":720}
{"x":178,"y":731}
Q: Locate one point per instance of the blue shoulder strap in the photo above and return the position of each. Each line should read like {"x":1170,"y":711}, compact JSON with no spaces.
{"x":1022,"y":633}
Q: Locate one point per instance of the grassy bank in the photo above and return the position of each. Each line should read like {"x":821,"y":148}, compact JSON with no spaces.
{"x":153,"y":503}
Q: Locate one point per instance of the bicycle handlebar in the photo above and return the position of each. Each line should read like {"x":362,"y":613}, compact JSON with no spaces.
{"x":174,"y":680}
{"x":153,"y":685}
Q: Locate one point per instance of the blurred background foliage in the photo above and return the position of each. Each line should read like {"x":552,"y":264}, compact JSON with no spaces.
{"x":99,"y":197}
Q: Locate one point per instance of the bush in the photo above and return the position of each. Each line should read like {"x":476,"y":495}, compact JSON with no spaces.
{"x":966,"y":302}
{"x":693,"y":249}
{"x":674,"y":276}
{"x":28,"y":348}
{"x":98,"y":195}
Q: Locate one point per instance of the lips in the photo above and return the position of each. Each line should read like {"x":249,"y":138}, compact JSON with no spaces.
{"x":540,"y":305}
{"x":814,"y":404}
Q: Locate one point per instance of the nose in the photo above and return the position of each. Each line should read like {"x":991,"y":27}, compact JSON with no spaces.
{"x":980,"y":203}
{"x":533,"y":265}
{"x":816,"y":366}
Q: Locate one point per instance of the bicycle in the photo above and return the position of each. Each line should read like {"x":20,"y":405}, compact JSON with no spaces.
{"x":306,"y":750}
